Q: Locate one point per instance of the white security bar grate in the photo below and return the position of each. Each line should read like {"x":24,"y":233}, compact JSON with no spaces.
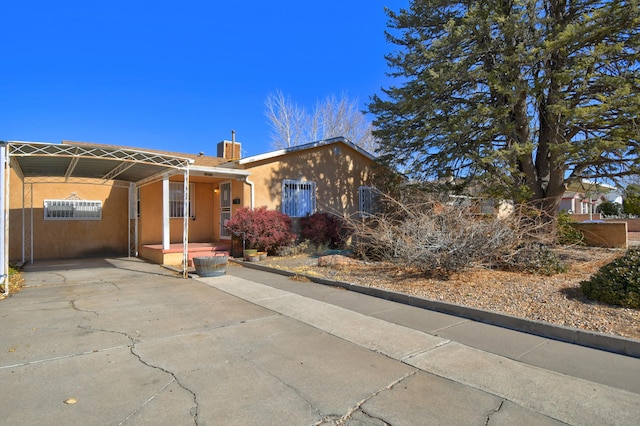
{"x":72,"y":210}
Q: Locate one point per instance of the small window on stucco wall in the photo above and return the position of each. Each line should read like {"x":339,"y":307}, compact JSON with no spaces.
{"x":176,"y":199}
{"x":367,"y":200}
{"x":298,"y":198}
{"x":72,"y":210}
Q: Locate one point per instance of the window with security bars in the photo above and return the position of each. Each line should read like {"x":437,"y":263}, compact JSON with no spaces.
{"x":72,"y":210}
{"x":367,"y":201}
{"x":298,"y":198}
{"x":176,"y":200}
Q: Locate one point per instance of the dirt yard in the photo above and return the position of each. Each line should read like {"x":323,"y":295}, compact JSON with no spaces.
{"x":554,"y":299}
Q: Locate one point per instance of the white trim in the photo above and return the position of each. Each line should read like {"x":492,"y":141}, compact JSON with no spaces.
{"x":98,"y":151}
{"x":4,"y":228}
{"x":185,"y":222}
{"x":132,"y":220}
{"x":224,"y":233}
{"x":166,"y":219}
{"x":217,"y":172}
{"x":252,"y":191}
{"x":273,"y":154}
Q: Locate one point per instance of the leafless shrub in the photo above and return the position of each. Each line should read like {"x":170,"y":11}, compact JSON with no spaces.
{"x":442,"y":235}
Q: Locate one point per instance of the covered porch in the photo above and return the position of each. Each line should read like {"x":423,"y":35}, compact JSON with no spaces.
{"x":179,"y":221}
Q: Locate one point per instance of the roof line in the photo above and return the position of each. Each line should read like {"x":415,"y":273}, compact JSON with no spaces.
{"x":277,"y":153}
{"x":220,"y":170}
{"x":98,"y":151}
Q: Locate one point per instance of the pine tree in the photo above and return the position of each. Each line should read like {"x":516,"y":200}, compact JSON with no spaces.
{"x":520,"y":96}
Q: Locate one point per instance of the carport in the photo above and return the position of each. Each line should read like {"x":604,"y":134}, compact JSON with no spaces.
{"x":36,"y":162}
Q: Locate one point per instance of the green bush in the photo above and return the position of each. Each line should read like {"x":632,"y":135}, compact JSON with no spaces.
{"x":534,"y":258}
{"x":618,"y":282}
{"x":566,"y":234}
{"x":609,"y":208}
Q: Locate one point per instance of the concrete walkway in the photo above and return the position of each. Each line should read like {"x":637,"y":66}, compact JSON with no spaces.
{"x":119,"y":341}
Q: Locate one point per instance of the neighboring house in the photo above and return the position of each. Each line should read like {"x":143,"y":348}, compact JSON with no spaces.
{"x":583,"y":197}
{"x":613,"y":197}
{"x":577,"y":203}
{"x":83,"y":199}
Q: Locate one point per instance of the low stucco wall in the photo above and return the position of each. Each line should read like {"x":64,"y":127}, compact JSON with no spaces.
{"x":604,"y":234}
{"x":633,"y":225}
{"x":581,"y":217}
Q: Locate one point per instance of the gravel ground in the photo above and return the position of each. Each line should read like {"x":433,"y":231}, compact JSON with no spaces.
{"x":554,"y":299}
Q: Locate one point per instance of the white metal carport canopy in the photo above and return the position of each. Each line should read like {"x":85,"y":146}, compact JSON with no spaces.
{"x":39,"y":162}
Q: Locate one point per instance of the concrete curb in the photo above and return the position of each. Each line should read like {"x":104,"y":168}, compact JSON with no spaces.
{"x":590,"y":339}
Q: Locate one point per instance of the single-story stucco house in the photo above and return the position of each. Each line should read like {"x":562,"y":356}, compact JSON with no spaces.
{"x":75,"y":199}
{"x":584,"y":196}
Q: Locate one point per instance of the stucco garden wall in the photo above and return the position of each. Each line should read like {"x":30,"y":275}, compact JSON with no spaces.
{"x":604,"y":234}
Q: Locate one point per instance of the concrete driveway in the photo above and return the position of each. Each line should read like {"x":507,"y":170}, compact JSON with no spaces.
{"x":120,"y":341}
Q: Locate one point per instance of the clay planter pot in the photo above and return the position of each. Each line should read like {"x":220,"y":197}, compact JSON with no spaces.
{"x":249,"y":252}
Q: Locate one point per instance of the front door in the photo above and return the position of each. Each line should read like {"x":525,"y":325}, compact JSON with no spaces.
{"x":225,"y":209}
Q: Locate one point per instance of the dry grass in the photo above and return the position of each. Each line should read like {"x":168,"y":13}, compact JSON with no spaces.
{"x":16,"y":283}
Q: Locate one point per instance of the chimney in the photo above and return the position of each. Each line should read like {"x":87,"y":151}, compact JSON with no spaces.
{"x":229,"y":150}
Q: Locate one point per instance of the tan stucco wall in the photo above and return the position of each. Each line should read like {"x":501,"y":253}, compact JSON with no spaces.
{"x":70,"y":238}
{"x":633,"y":225}
{"x":338,"y":173}
{"x":150,"y":225}
{"x":604,"y":234}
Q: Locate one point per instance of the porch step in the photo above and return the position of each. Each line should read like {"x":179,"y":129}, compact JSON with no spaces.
{"x":203,"y":253}
{"x":173,"y":255}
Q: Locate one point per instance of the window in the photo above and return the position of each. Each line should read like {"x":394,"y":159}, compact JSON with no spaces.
{"x":366,"y":201}
{"x":72,"y":210}
{"x":298,"y":198}
{"x":176,"y":200}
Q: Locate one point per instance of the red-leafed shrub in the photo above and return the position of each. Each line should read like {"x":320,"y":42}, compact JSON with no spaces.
{"x":262,"y":229}
{"x":323,"y":229}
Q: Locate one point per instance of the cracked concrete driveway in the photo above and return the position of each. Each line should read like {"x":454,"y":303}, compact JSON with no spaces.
{"x":120,"y":341}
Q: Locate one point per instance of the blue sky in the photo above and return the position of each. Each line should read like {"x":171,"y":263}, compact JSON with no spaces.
{"x":180,"y":75}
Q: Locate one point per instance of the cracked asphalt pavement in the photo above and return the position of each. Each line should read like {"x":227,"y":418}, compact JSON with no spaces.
{"x":123,"y":342}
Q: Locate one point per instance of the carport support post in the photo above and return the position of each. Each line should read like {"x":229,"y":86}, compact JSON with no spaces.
{"x":4,"y":207}
{"x":166,"y":222}
{"x":185,"y":225}
{"x":132,"y":220}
